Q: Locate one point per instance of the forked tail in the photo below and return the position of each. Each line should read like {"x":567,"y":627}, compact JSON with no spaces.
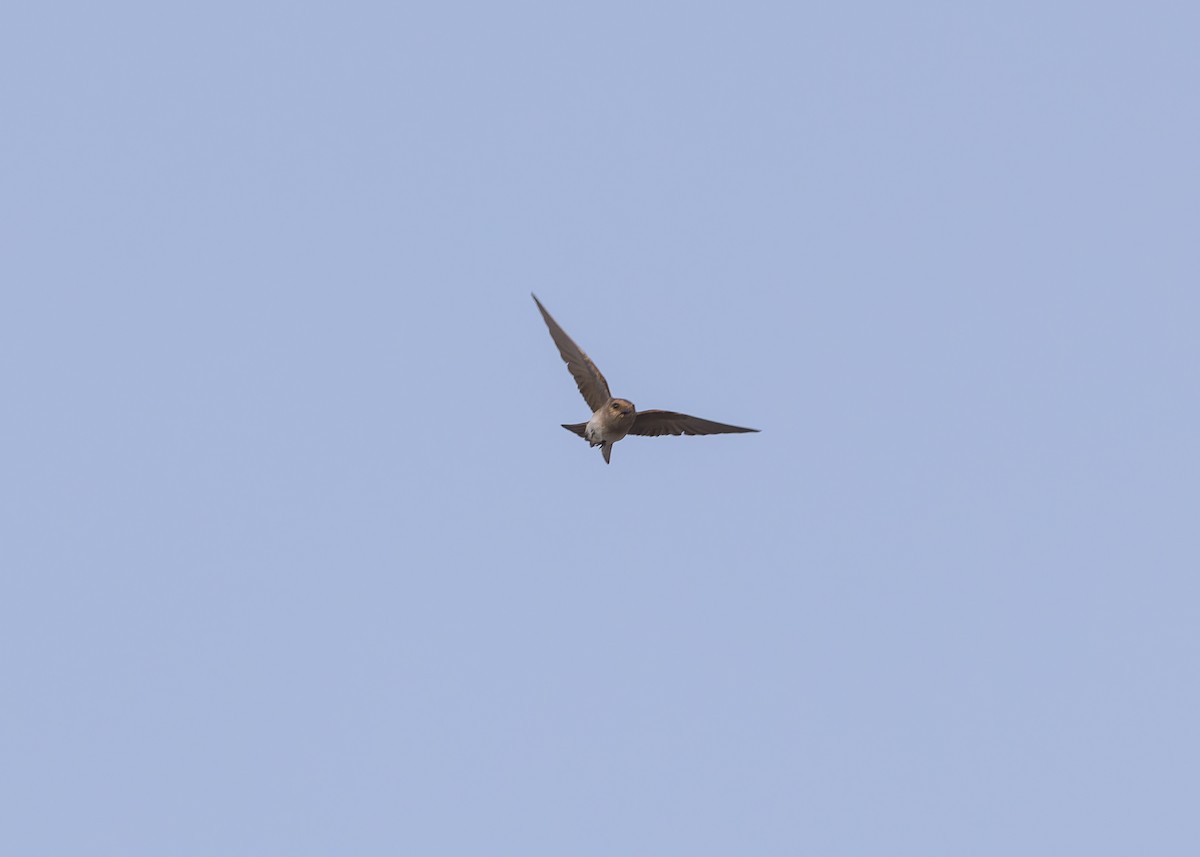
{"x":581,"y":430}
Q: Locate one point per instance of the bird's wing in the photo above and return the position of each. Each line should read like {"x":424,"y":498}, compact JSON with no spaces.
{"x":657,"y":423}
{"x":588,"y":378}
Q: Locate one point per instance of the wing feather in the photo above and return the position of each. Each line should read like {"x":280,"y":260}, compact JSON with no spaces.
{"x":587,"y":377}
{"x":655,"y":423}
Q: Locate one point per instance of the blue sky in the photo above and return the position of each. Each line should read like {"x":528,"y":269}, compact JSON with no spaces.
{"x":297,"y":559}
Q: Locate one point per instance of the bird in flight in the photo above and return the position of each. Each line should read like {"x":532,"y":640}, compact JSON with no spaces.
{"x":612,"y":419}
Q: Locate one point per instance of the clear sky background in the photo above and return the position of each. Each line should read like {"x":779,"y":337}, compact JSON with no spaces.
{"x":297,"y":560}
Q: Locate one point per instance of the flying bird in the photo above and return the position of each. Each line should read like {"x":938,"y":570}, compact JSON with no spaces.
{"x":612,"y":419}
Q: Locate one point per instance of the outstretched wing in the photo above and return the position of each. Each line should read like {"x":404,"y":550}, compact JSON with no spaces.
{"x":657,"y":423}
{"x":587,"y":377}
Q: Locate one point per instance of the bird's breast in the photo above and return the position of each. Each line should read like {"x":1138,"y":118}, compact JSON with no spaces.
{"x":606,"y":426}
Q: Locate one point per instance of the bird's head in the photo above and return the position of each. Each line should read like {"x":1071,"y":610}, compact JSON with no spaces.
{"x":622,"y":409}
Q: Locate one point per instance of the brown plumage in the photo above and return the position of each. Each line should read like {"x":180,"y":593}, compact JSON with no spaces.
{"x":613,"y":419}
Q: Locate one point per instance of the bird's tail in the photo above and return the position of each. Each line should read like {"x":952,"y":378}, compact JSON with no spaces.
{"x":578,"y":428}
